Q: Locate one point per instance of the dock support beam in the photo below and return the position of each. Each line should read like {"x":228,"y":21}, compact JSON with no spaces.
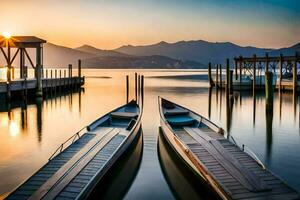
{"x":79,"y":72}
{"x":254,"y":73}
{"x":295,"y":74}
{"x":241,"y":67}
{"x":280,"y":72}
{"x":135,"y":86}
{"x":38,"y":68}
{"x":221,"y":76}
{"x":230,"y":82}
{"x":235,"y":69}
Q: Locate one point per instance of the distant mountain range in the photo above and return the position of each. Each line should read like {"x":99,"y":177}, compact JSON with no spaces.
{"x":183,"y":54}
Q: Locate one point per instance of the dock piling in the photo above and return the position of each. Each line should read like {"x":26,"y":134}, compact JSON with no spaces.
{"x":217,"y":76}
{"x":269,"y":91}
{"x":230,"y":82}
{"x":280,"y":72}
{"x":221,"y":76}
{"x":227,"y":74}
{"x":135,"y":85}
{"x":127,"y":88}
{"x":254,"y":72}
{"x":295,"y":74}
{"x":209,"y":76}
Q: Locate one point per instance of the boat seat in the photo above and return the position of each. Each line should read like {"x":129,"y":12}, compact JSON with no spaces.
{"x":181,"y":120}
{"x":176,"y":111}
{"x":123,"y":115}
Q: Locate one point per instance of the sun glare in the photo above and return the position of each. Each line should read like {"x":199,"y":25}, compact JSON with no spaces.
{"x":6,"y":34}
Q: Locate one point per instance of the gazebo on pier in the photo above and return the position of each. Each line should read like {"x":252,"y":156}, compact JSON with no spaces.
{"x":21,"y":43}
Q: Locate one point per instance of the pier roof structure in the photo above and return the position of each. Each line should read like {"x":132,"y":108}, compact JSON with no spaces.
{"x":21,"y":41}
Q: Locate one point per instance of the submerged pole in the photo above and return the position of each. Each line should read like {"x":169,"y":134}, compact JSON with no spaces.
{"x":241,"y":68}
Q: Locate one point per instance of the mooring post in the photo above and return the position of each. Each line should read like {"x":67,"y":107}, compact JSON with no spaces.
{"x":267,"y":62}
{"x":79,"y":72}
{"x":135,"y":85}
{"x":60,"y":80}
{"x":65,"y":75}
{"x":235,"y":69}
{"x":70,"y":75}
{"x":295,"y":73}
{"x":217,"y":76}
{"x":209,"y":76}
{"x":280,"y":72}
{"x":142,"y":90}
{"x":139,"y":88}
{"x":230,"y":82}
{"x":221,"y":76}
{"x":127,"y":88}
{"x":38,"y":68}
{"x":241,"y":68}
{"x":227,"y":75}
{"x":269,"y":91}
{"x":254,"y":73}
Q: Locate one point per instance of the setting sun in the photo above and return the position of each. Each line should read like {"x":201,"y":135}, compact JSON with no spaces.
{"x":6,"y":34}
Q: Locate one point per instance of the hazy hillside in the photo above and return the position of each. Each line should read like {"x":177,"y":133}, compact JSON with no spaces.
{"x":289,"y":51}
{"x":152,"y":62}
{"x":190,"y":54}
{"x":60,"y":56}
{"x":99,"y":52}
{"x":201,"y":51}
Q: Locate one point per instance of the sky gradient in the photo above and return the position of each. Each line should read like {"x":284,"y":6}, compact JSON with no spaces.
{"x":109,"y":24}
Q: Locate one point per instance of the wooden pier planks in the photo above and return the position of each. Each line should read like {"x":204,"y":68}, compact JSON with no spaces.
{"x":229,"y":182}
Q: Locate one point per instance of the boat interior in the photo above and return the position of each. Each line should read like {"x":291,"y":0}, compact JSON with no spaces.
{"x":239,"y":173}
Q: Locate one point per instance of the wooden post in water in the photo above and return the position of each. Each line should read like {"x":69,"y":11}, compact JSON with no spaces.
{"x":210,"y":81}
{"x":280,"y":72}
{"x":221,"y":76}
{"x":241,"y":66}
{"x":227,"y":75}
{"x":65,"y":75}
{"x":38,"y":68}
{"x":79,"y":72}
{"x":70,"y":75}
{"x":142,"y":90}
{"x":267,"y":62}
{"x":235,"y":69}
{"x":217,"y":76}
{"x":139,"y":88}
{"x":269,"y":91}
{"x":230,"y":82}
{"x":254,"y":73}
{"x":295,"y":74}
{"x":135,"y":85}
{"x":60,"y":84}
{"x":127,"y":88}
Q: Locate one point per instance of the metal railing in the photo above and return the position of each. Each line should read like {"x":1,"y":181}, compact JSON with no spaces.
{"x":249,"y":152}
{"x":72,"y":139}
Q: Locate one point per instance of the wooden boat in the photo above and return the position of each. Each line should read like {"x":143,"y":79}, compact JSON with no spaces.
{"x":231,"y":171}
{"x":74,"y":171}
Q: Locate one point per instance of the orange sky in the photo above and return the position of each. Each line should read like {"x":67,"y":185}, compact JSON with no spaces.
{"x":110,"y":24}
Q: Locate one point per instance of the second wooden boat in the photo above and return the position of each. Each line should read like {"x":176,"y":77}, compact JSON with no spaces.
{"x":74,"y":171}
{"x":229,"y":170}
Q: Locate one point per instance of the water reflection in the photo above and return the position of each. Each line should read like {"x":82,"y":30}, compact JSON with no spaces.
{"x":115,"y":184}
{"x":183,"y":183}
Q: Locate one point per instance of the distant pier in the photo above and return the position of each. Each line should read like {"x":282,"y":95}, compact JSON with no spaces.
{"x":42,"y":82}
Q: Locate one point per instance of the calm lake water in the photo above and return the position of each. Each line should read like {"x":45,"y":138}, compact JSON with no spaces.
{"x":30,"y":135}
